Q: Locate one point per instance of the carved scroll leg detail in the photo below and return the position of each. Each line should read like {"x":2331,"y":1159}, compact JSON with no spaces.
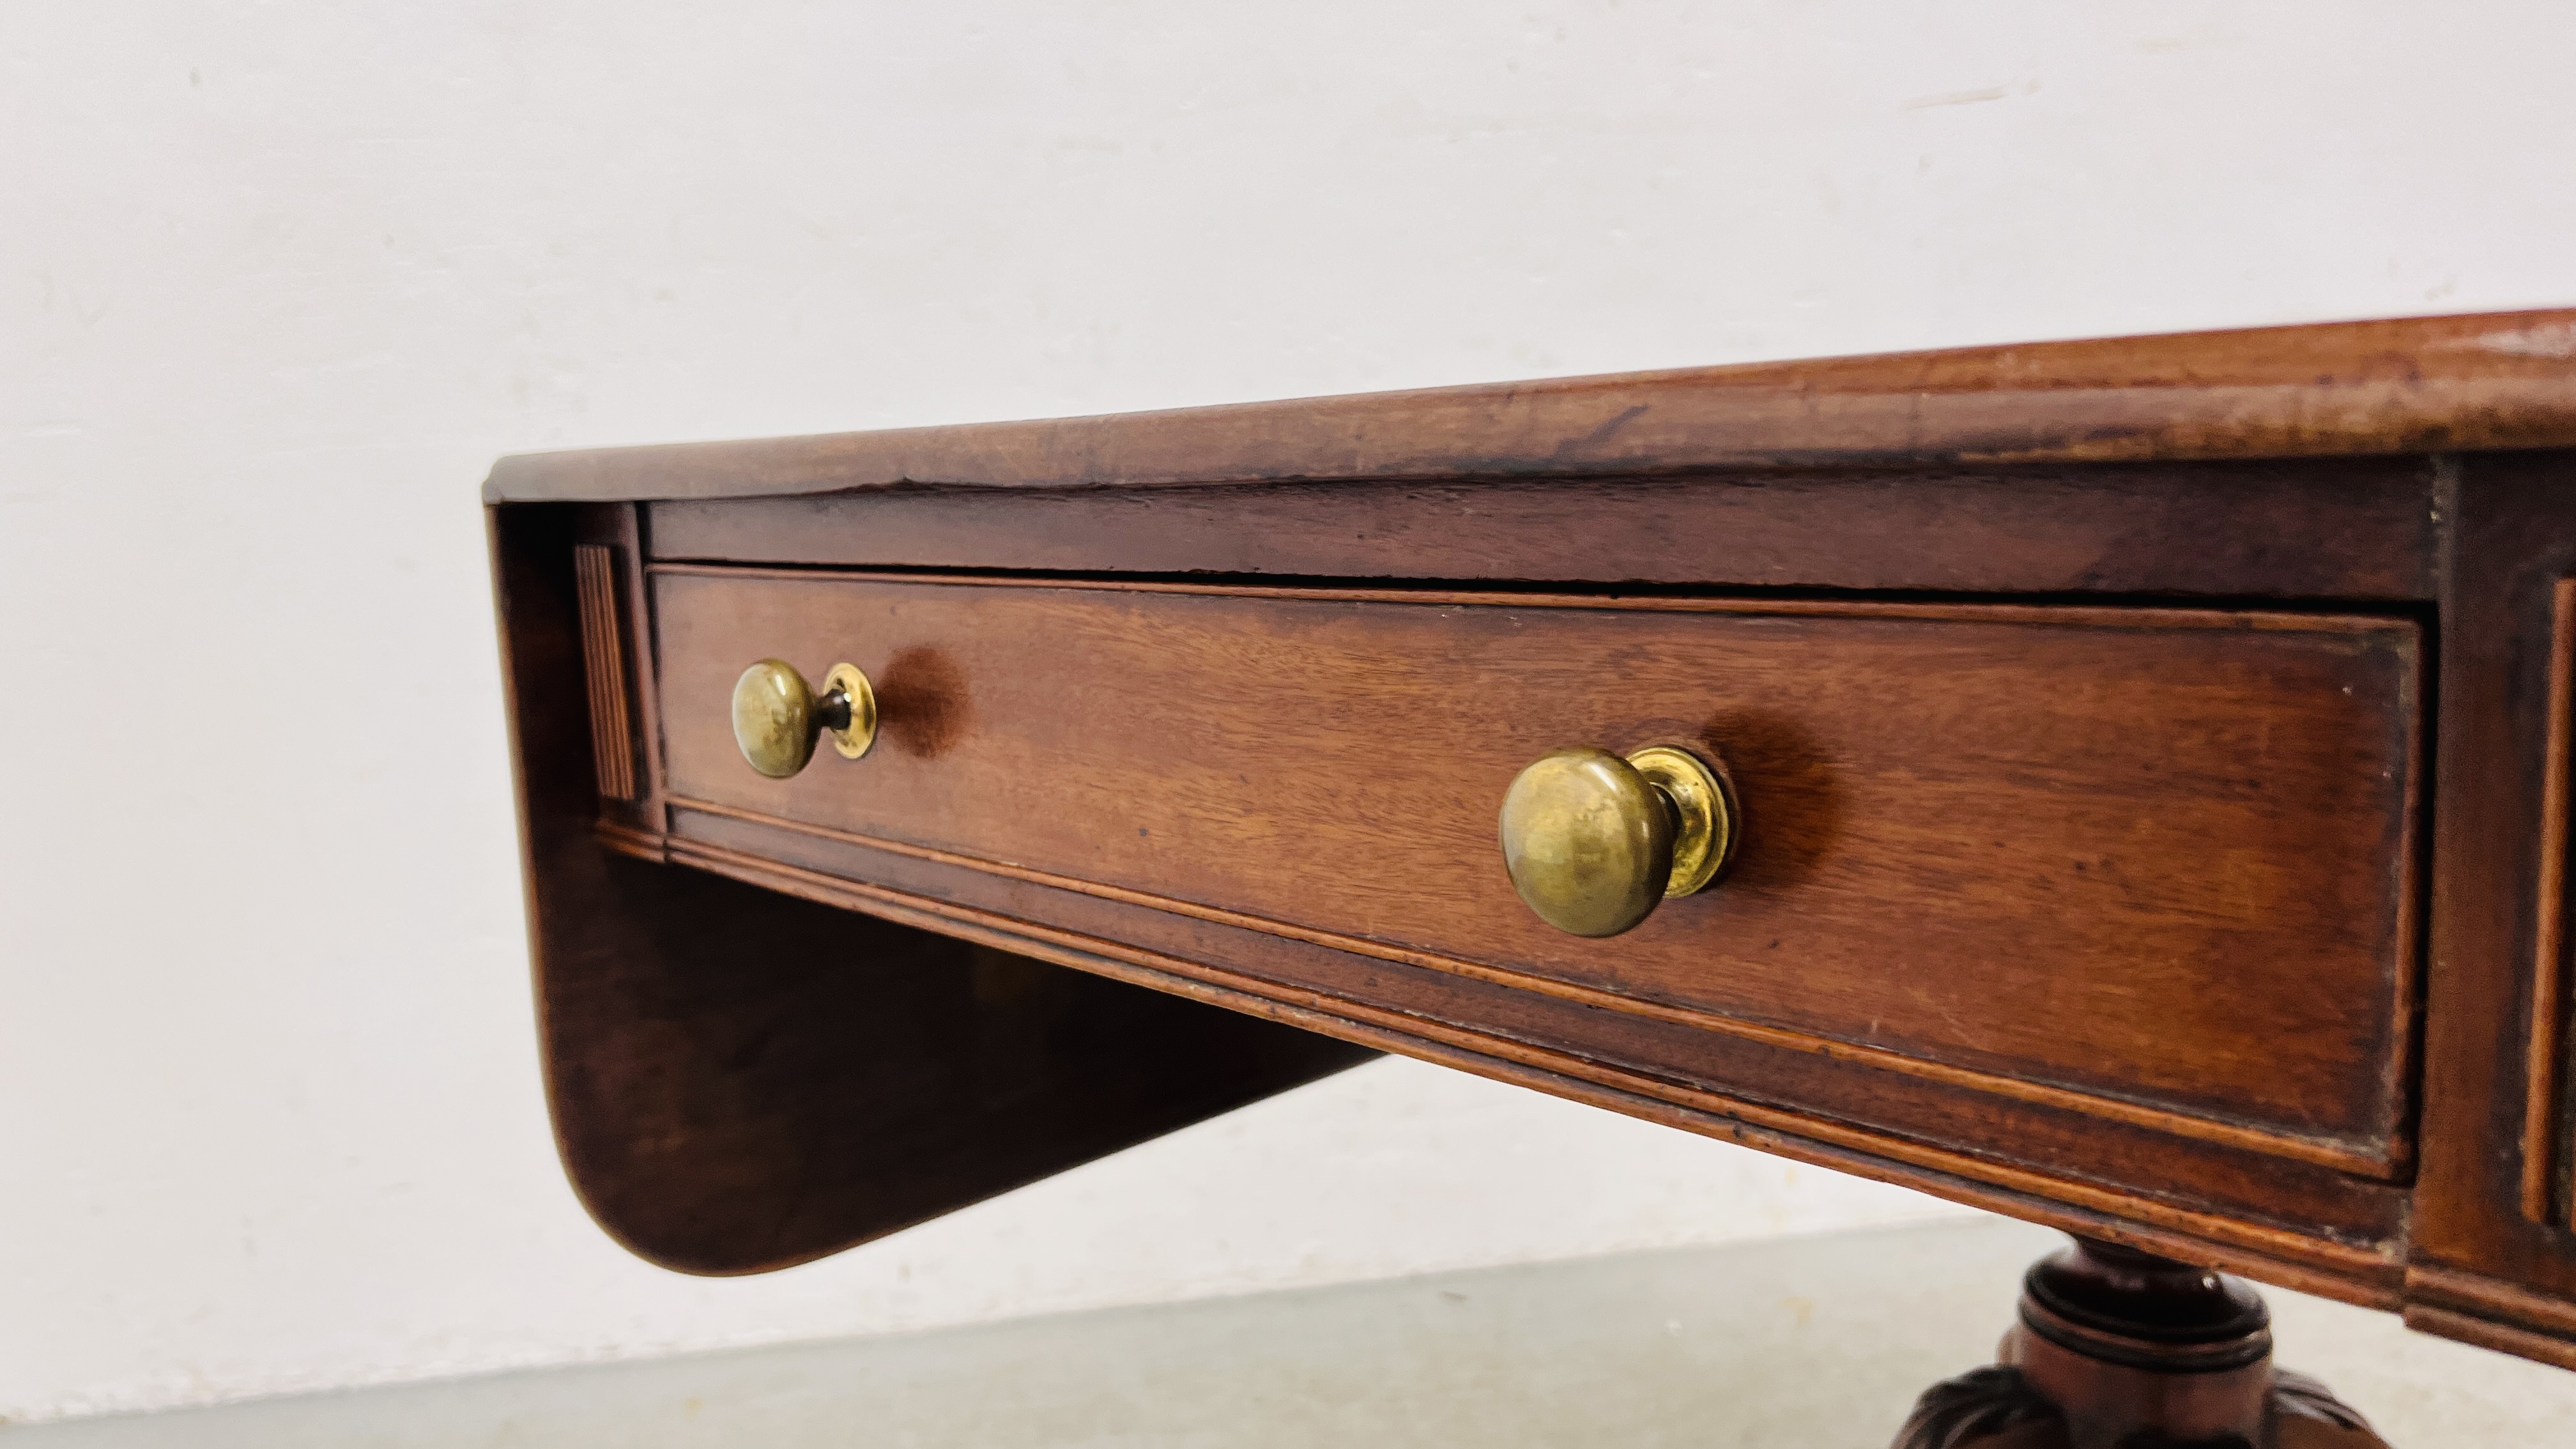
{"x":1996,"y":1408}
{"x":1987,"y":1408}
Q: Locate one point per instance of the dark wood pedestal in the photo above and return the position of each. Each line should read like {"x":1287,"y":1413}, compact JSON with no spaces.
{"x":2119,"y":1349}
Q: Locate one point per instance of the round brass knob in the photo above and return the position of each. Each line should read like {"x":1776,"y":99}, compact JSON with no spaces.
{"x":776,"y":715}
{"x":1593,"y":841}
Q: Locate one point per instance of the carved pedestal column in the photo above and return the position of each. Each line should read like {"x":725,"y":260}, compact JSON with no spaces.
{"x":2118,"y":1349}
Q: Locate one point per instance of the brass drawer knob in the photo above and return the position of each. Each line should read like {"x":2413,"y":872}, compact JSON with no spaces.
{"x":1593,"y":841}
{"x":776,"y":715}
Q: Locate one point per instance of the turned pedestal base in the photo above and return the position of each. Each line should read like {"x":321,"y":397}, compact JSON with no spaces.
{"x":2118,"y":1349}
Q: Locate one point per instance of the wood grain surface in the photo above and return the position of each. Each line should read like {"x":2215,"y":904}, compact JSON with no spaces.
{"x":2341,"y":528}
{"x":2415,"y":385}
{"x":2074,"y":691}
{"x":2266,"y":1213}
{"x":2153,"y":857}
{"x":740,"y":1080}
{"x":2493,"y":1258}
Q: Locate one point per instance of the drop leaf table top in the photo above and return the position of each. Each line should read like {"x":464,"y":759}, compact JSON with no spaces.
{"x":2141,"y":768}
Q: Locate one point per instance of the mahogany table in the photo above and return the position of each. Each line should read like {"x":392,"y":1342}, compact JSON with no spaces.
{"x":2118,"y":784}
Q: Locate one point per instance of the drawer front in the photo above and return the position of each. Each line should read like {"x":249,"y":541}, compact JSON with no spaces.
{"x":2153,"y":860}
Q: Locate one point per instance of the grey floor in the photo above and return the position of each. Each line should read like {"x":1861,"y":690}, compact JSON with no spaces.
{"x":1819,"y":1341}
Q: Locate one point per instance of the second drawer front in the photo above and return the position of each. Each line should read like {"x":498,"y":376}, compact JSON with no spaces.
{"x":2160,"y":857}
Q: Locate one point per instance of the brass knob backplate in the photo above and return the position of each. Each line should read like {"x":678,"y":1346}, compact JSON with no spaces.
{"x":777,"y":716}
{"x":1593,"y":842}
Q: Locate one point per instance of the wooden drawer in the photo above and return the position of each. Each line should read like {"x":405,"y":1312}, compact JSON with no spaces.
{"x":2144,"y":865}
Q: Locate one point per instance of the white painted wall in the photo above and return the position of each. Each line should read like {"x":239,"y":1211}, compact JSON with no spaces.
{"x":277,"y":280}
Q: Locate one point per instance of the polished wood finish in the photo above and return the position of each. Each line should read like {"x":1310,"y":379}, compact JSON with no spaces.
{"x":2099,"y":813}
{"x":2284,"y":1221}
{"x":2482,"y":1266}
{"x":2414,"y":386}
{"x":2345,"y":529}
{"x":742,"y":1081}
{"x":2154,"y":756}
{"x":603,"y":655}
